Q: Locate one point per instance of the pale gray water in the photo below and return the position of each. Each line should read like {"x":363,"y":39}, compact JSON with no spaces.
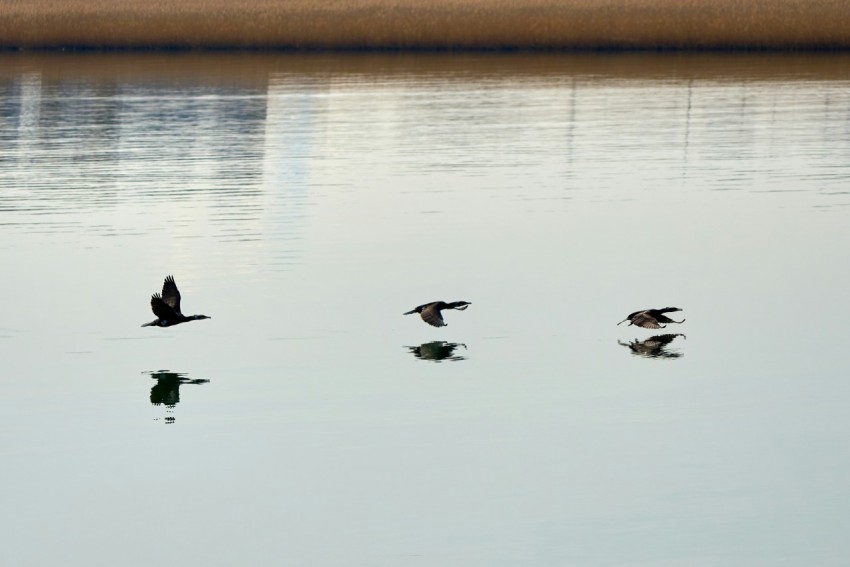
{"x":305,"y":202}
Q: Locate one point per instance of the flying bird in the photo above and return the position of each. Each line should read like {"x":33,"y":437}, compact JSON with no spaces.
{"x":166,"y":307}
{"x":431,"y":312}
{"x":651,"y":318}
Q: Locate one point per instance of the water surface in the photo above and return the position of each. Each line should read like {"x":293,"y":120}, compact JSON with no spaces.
{"x":305,"y":202}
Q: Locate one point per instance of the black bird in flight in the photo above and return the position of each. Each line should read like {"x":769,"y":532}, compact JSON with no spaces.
{"x":651,"y":318}
{"x":431,"y":312}
{"x":166,"y":307}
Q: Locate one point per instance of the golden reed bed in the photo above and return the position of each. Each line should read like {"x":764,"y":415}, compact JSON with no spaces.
{"x":426,"y":24}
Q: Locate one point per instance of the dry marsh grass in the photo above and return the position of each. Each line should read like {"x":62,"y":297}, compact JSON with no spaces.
{"x":426,"y":24}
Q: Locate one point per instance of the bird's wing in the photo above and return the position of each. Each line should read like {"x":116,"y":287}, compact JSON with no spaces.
{"x":170,"y":294}
{"x":432,"y":316}
{"x":666,"y":319}
{"x":419,"y":308}
{"x":668,"y":310}
{"x":161,"y":309}
{"x":646,"y":321}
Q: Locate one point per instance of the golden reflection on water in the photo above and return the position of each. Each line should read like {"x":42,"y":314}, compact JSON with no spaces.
{"x":252,"y":70}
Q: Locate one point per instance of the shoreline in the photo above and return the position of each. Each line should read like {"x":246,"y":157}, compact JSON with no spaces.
{"x":439,"y":25}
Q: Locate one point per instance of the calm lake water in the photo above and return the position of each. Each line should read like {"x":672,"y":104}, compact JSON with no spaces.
{"x":305,"y":202}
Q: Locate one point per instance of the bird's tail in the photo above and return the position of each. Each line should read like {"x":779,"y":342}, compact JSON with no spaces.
{"x":409,"y":312}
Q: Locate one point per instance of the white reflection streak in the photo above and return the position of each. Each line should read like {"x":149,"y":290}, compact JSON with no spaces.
{"x":29,"y":117}
{"x":288,"y":133}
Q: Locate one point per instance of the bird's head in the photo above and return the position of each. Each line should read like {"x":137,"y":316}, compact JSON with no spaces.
{"x":196,"y":317}
{"x":459,"y":305}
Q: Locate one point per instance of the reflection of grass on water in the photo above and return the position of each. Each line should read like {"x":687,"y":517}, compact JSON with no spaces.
{"x":166,"y":391}
{"x":432,"y":24}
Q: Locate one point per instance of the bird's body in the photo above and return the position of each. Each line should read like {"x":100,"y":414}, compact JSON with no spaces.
{"x":431,"y":312}
{"x":651,"y":318}
{"x":166,"y":307}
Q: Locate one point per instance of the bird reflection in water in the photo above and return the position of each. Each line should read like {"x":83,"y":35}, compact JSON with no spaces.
{"x":166,"y":391}
{"x":437,"y":351}
{"x":654,"y":347}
